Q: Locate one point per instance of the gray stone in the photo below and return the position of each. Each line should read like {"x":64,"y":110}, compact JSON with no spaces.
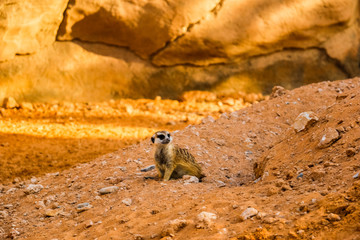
{"x":107,"y":190}
{"x":147,"y":169}
{"x":83,"y":207}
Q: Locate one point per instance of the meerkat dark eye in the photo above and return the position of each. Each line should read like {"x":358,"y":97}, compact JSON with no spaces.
{"x":168,"y":135}
{"x":162,"y":137}
{"x":152,"y":139}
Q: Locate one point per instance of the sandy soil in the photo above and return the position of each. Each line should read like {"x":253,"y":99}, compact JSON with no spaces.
{"x":264,"y":179}
{"x":48,"y":137}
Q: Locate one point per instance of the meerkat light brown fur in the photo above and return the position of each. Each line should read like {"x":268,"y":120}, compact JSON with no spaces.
{"x":172,"y":161}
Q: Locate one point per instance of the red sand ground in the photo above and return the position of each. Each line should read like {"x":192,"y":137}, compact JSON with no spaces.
{"x":304,"y":192}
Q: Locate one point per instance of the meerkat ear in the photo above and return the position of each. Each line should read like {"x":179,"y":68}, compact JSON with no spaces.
{"x":153,"y":139}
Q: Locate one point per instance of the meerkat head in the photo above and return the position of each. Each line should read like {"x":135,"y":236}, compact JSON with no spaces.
{"x":161,"y":137}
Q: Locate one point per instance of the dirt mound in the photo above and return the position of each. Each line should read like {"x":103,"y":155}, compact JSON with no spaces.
{"x":305,"y":184}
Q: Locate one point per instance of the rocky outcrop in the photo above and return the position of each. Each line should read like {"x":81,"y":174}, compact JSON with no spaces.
{"x":28,"y":26}
{"x":109,"y":49}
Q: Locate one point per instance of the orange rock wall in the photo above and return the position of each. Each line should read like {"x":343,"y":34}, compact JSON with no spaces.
{"x":96,"y":50}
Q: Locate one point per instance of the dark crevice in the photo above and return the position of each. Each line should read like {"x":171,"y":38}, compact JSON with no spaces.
{"x":214,"y":11}
{"x":62,"y":27}
{"x":218,"y":7}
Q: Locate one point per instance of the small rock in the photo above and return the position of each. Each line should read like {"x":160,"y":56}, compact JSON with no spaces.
{"x":89,"y":223}
{"x":122,"y":169}
{"x":11,"y":190}
{"x":208,"y":119}
{"x":26,"y":106}
{"x":138,"y":237}
{"x":173,"y":227}
{"x":127,"y":201}
{"x":220,"y":184}
{"x":107,"y":190}
{"x":304,"y":121}
{"x":356,"y":176}
{"x":330,"y":136}
{"x":147,"y":169}
{"x":3,"y":214}
{"x":270,"y":220}
{"x":300,"y":175}
{"x":51,"y":212}
{"x":83,"y":207}
{"x":301,"y":232}
{"x":293,"y":234}
{"x":10,"y":103}
{"x":129,"y":109}
{"x":33,"y":180}
{"x":40,"y":204}
{"x":333,"y":217}
{"x":220,"y":142}
{"x":8,"y":206}
{"x":190,"y":179}
{"x":33,"y":188}
{"x":248,"y":213}
{"x":205,"y":219}
{"x":278,"y":91}
{"x":229,"y":101}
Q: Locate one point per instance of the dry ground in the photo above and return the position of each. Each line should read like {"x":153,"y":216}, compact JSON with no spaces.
{"x":300,"y":187}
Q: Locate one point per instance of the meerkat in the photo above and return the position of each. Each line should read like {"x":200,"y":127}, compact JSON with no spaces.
{"x":172,"y":161}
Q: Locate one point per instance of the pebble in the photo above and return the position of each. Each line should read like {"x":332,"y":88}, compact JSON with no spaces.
{"x":27,"y":106}
{"x":208,"y":119}
{"x":3,"y":214}
{"x":9,"y":103}
{"x":122,"y":169}
{"x":8,"y":206}
{"x":304,"y":121}
{"x":11,"y":190}
{"x":190,"y":179}
{"x":33,"y":188}
{"x":356,"y":176}
{"x":51,"y":212}
{"x":127,"y":201}
{"x":173,"y":227}
{"x":220,"y":184}
{"x":89,"y":223}
{"x":107,"y":190}
{"x":147,"y":169}
{"x":330,"y":136}
{"x":33,"y":180}
{"x":300,"y":175}
{"x":333,"y":217}
{"x":248,"y":213}
{"x":83,"y":207}
{"x":205,"y":219}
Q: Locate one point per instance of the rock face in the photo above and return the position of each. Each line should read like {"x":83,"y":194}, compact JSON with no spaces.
{"x":26,"y":27}
{"x":109,"y":49}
